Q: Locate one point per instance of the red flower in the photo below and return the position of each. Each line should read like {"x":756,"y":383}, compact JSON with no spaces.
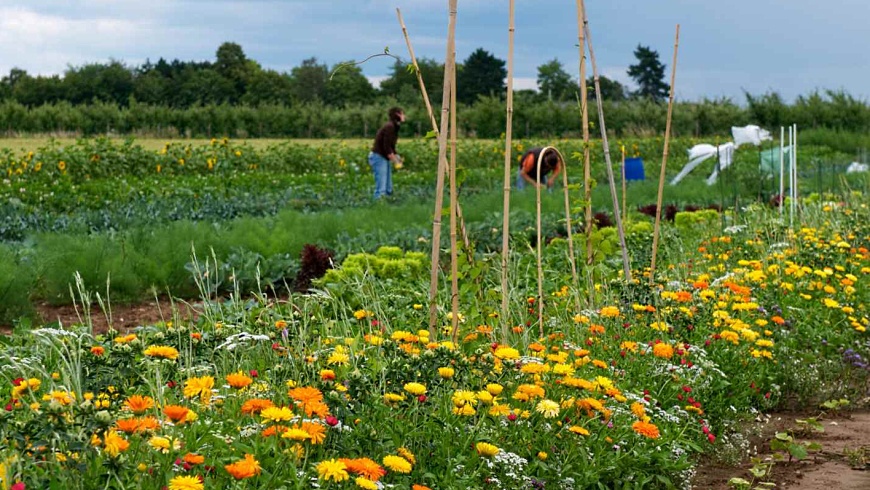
{"x":512,"y":416}
{"x":422,"y":398}
{"x":18,"y":486}
{"x":711,"y":438}
{"x":331,"y":421}
{"x":253,"y":373}
{"x":17,"y":381}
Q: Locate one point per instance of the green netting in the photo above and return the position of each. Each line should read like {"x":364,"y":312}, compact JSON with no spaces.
{"x":770,"y":160}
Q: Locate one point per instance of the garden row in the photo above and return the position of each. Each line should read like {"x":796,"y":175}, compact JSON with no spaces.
{"x":623,"y":385}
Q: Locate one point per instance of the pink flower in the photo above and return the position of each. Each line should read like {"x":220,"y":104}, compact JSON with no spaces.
{"x":18,"y":486}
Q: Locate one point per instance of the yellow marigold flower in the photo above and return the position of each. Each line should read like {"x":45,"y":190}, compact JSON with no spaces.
{"x":186,"y":483}
{"x":239,"y":380}
{"x":360,"y":314}
{"x":507,"y":353}
{"x":464,"y":397}
{"x":397,"y":464}
{"x":407,"y":454}
{"x":730,"y":336}
{"x":599,"y":364}
{"x":415,"y":389}
{"x":333,"y":470}
{"x":764,"y":343}
{"x":446,"y":372}
{"x":548,"y":408}
{"x":578,"y":430}
{"x":164,"y":444}
{"x":535,"y":368}
{"x":365,"y":483}
{"x":609,"y":312}
{"x":499,"y":409}
{"x":646,"y":429}
{"x":162,"y":352}
{"x":465,"y":410}
{"x":494,"y":389}
{"x":296,"y":435}
{"x":114,"y":444}
{"x":199,"y":386}
{"x":393,"y":398}
{"x":486,"y":449}
{"x":277,"y":414}
{"x":638,"y":410}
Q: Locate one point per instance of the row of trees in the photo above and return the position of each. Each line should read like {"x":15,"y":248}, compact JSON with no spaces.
{"x":485,"y":118}
{"x":235,"y":79}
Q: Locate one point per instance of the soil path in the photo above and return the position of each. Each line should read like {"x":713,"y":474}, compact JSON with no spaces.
{"x":842,"y":464}
{"x":124,"y":317}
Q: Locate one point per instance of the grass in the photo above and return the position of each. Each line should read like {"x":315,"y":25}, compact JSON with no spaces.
{"x":31,"y":143}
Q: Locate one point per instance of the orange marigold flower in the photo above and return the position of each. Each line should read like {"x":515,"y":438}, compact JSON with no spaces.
{"x":239,"y":380}
{"x":646,"y":429}
{"x":176,"y":413}
{"x":256,"y":405}
{"x":244,"y":468}
{"x":364,"y":467}
{"x":148,"y":424}
{"x":138,"y":403}
{"x":192,"y":458}
{"x":98,"y":350}
{"x":662,"y":350}
{"x":316,"y":430}
{"x":128,"y":426}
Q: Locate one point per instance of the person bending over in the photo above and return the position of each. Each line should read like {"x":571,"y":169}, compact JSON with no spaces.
{"x":528,"y":172}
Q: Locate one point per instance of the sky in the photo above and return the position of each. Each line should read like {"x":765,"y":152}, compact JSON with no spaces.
{"x":792,"y":47}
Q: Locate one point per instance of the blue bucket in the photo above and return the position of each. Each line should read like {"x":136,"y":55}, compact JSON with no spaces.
{"x":634,"y":169}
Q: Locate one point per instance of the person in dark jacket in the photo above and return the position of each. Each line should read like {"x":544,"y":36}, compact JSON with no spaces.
{"x":528,"y":172}
{"x":383,"y":155}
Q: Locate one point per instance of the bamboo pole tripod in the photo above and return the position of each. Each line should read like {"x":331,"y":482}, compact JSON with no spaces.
{"x":508,"y":135}
{"x":626,"y":266}
{"x":655,"y":246}
{"x":431,"y":114}
{"x":449,"y":68}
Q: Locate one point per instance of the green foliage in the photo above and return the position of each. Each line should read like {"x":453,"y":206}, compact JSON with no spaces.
{"x":649,"y":74}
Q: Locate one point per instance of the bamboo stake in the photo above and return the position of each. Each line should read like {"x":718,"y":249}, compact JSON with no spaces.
{"x":584,"y":109}
{"x":431,"y":113}
{"x":508,"y":134}
{"x":625,"y":265}
{"x":540,"y":302}
{"x":624,"y":207}
{"x":454,"y":270}
{"x":568,"y":225}
{"x":652,"y":267}
{"x":442,"y":165}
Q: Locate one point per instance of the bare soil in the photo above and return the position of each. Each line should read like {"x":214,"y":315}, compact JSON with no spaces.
{"x":842,"y":463}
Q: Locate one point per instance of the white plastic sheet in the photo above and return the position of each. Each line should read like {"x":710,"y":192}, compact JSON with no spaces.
{"x":749,"y":134}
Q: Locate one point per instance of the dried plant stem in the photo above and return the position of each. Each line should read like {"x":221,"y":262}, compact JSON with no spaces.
{"x":508,"y":134}
{"x":607,"y":163}
{"x":442,"y":165}
{"x":655,"y":246}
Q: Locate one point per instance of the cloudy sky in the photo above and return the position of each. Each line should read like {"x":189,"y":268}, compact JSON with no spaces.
{"x":726,"y":48}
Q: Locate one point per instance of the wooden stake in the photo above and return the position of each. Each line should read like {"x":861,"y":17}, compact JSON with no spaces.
{"x":584,"y":109}
{"x":655,"y":249}
{"x":624,"y":208}
{"x":568,"y":226}
{"x":508,"y":166}
{"x":431,"y":113}
{"x":539,"y":304}
{"x":442,"y":165}
{"x":454,"y":271}
{"x":607,"y":163}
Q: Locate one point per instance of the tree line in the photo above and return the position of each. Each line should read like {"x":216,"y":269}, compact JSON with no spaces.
{"x":235,"y":96}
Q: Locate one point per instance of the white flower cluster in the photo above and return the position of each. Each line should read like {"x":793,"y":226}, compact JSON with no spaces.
{"x":238,"y":339}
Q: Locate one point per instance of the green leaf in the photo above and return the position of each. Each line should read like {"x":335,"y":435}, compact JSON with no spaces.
{"x":797,"y":451}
